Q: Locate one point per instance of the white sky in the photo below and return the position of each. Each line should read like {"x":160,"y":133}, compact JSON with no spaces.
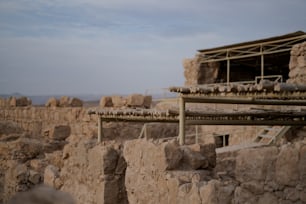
{"x":124,"y":46}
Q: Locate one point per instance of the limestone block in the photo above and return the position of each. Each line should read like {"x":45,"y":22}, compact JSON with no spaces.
{"x":302,"y":165}
{"x":23,"y":101}
{"x":295,"y":50}
{"x":216,"y":192}
{"x":135,"y":100}
{"x":2,"y":102}
{"x":303,"y":196}
{"x":38,"y":164}
{"x":301,"y":61}
{"x":161,"y":157}
{"x":293,"y":62}
{"x":188,"y":193}
{"x":255,"y":164}
{"x":172,"y":154}
{"x":21,"y":173}
{"x":40,"y":195}
{"x":209,"y":151}
{"x":242,"y":195}
{"x":52,"y":102}
{"x":268,"y":198}
{"x":286,"y":171}
{"x":193,"y":159}
{"x":254,"y":187}
{"x":58,"y":132}
{"x":75,"y":102}
{"x":34,"y":177}
{"x":50,"y":174}
{"x":106,"y":101}
{"x":118,"y":101}
{"x":64,"y":101}
{"x":292,"y":194}
{"x":12,"y":102}
{"x":147,"y":101}
{"x":24,"y":149}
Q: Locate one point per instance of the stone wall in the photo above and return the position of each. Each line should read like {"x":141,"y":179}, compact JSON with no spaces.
{"x":196,"y":72}
{"x":15,"y":102}
{"x":133,"y":100}
{"x":259,"y":175}
{"x":166,"y":172}
{"x":58,"y":146}
{"x":297,"y":65}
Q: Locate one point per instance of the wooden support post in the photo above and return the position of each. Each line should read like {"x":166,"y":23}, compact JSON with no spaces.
{"x":228,"y":72}
{"x":100,"y":129}
{"x":262,"y":63}
{"x":182,"y":121}
{"x":196,"y":135}
{"x":145,"y":131}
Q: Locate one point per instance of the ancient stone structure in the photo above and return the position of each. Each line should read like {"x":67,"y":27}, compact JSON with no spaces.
{"x":196,"y":72}
{"x":133,"y":100}
{"x":297,"y":65}
{"x":64,"y":101}
{"x":258,"y":175}
{"x":58,"y":146}
{"x":15,"y":102}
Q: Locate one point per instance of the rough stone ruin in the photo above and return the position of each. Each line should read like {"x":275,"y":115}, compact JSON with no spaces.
{"x":133,"y":100}
{"x":56,"y":145}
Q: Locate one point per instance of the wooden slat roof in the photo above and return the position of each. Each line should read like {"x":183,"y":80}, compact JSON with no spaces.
{"x":289,"y":35}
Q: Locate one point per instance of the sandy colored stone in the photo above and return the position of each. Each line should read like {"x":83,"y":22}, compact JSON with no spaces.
{"x":302,"y":165}
{"x":42,"y":195}
{"x":254,"y":164}
{"x":50,"y":174}
{"x":75,"y":102}
{"x":34,"y":177}
{"x":12,"y":102}
{"x":23,"y":101}
{"x":196,"y":72}
{"x":59,"y":132}
{"x":64,"y":101}
{"x":268,"y":198}
{"x":118,"y":101}
{"x":193,"y":159}
{"x":106,"y":101}
{"x":52,"y":102}
{"x":135,"y":100}
{"x":254,"y":187}
{"x":286,"y":170}
{"x":147,"y":101}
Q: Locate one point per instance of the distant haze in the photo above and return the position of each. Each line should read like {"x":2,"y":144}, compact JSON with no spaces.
{"x":105,"y":47}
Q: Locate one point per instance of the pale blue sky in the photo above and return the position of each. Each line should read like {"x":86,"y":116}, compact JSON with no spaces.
{"x":124,"y":46}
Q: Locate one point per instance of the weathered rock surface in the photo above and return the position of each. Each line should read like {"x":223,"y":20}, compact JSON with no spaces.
{"x":297,"y":64}
{"x":42,"y":195}
{"x":106,"y":101}
{"x":138,"y":100}
{"x":167,"y":172}
{"x":52,"y":102}
{"x":200,"y":73}
{"x":15,"y":102}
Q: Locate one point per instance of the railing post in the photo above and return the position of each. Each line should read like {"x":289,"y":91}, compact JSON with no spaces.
{"x":182,"y":122}
{"x":100,"y":129}
{"x":197,"y":135}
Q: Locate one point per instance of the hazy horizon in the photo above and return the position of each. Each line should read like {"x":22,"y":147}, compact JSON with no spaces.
{"x":122,"y":47}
